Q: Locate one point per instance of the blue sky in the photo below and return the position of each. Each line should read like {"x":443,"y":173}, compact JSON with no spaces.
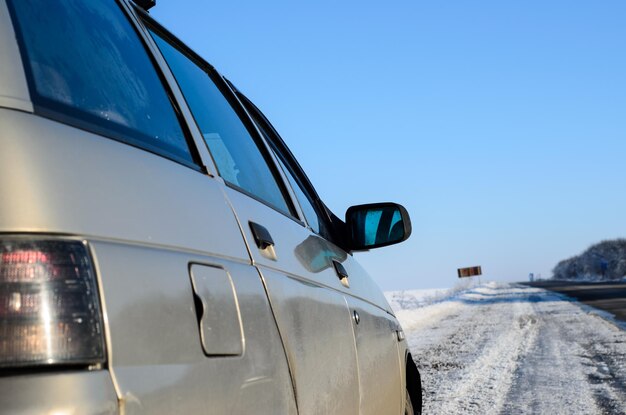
{"x":499,"y":125}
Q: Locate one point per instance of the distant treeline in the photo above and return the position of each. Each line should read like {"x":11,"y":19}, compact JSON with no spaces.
{"x":603,"y":261}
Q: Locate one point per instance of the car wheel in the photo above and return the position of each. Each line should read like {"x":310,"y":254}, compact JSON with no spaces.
{"x":408,"y":405}
{"x":413,"y":406}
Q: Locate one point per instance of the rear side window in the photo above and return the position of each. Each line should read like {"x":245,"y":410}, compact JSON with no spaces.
{"x":238,"y":158}
{"x":87,"y":67}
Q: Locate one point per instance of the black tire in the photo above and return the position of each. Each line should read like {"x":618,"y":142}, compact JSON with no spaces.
{"x":413,"y":387}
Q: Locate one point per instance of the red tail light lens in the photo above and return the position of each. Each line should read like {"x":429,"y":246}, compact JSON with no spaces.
{"x":49,"y":306}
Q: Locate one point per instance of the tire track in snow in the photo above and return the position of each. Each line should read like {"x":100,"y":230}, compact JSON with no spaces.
{"x":552,"y":367}
{"x":513,"y":349}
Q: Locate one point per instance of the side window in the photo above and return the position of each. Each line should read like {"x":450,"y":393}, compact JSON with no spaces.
{"x":236,"y":155}
{"x":87,"y":67}
{"x":313,"y":217}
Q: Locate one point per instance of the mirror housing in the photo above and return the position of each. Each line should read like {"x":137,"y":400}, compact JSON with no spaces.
{"x":145,"y":4}
{"x":376,"y":225}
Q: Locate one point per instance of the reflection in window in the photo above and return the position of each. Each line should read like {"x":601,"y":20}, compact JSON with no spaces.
{"x":236,"y":155}
{"x":87,"y":63}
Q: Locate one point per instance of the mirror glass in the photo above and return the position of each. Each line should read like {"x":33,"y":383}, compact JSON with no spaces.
{"x":378,"y":225}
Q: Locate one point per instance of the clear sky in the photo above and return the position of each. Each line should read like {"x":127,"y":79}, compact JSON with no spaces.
{"x":499,"y":125}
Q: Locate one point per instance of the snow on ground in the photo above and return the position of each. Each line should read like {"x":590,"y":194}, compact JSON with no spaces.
{"x":512,"y":349}
{"x":400,"y":300}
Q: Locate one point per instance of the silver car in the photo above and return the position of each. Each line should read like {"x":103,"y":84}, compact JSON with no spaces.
{"x":161,"y":250}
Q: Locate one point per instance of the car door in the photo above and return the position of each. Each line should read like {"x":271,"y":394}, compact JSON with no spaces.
{"x":312,"y":314}
{"x":380,"y":363}
{"x":299,"y":270}
{"x":375,"y":329}
{"x":296,"y":265}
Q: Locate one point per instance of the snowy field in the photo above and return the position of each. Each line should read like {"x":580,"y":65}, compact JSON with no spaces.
{"x":511,"y":349}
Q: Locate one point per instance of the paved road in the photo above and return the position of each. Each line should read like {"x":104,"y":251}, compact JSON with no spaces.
{"x":610,"y":297}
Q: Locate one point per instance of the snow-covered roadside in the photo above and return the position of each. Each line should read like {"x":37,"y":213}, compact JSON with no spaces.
{"x":512,"y":349}
{"x":411,"y":299}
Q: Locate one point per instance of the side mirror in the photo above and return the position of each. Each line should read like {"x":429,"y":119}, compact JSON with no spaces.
{"x":377,"y":224}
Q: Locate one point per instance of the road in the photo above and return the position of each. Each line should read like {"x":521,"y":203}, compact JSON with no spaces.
{"x":610,"y":297}
{"x":513,"y":349}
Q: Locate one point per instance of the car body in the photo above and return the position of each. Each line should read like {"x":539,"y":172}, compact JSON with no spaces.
{"x":161,"y":249}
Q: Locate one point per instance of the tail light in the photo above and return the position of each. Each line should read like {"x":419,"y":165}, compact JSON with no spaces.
{"x":49,"y":306}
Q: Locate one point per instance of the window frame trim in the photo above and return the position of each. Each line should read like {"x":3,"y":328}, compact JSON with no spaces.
{"x":281,"y":162}
{"x":77,"y":118}
{"x":278,"y":145}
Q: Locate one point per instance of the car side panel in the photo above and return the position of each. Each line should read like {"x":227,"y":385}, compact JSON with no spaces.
{"x":363,"y":287}
{"x":71,"y":392}
{"x":156,"y":351}
{"x":380,"y":376}
{"x":64,"y":180}
{"x":316,"y":327}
